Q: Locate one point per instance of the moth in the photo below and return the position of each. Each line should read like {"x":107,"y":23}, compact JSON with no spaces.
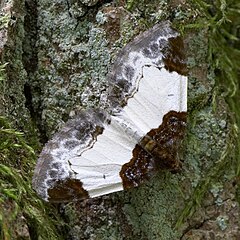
{"x":103,"y":151}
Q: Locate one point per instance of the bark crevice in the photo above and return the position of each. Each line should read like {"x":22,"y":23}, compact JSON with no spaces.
{"x":30,"y":63}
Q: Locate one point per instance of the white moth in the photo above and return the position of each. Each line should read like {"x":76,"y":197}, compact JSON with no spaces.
{"x":101,"y":152}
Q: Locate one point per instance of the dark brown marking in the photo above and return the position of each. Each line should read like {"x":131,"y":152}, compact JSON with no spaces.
{"x":67,"y":190}
{"x":174,"y":56}
{"x":167,"y":139}
{"x":159,"y":149}
{"x":138,"y":169}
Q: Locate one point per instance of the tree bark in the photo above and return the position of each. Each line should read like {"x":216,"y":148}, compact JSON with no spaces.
{"x":58,"y":55}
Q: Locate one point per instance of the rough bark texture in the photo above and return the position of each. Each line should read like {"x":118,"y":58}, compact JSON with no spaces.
{"x":59,"y":53}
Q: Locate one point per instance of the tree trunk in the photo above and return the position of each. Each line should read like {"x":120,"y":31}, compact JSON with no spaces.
{"x":58,"y":55}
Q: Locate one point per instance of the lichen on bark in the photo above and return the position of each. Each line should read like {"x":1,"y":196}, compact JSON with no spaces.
{"x":58,"y":65}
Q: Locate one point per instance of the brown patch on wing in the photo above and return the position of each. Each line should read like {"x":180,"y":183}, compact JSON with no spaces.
{"x":174,"y":56}
{"x":159,"y":149}
{"x":168,"y":138}
{"x":138,"y":169}
{"x":67,"y":190}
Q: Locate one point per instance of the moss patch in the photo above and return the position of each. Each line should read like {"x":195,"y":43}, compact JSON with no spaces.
{"x":22,"y":214}
{"x":222,"y":67}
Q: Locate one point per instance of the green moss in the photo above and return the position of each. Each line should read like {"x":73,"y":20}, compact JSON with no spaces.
{"x":18,"y":202}
{"x":22,"y":214}
{"x":223,"y":66}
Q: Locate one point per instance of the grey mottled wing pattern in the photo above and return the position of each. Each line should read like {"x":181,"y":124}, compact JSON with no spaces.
{"x":76,"y":136}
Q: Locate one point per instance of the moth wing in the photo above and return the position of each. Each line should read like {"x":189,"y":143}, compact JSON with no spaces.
{"x":158,"y":92}
{"x":92,"y":148}
{"x":84,"y":159}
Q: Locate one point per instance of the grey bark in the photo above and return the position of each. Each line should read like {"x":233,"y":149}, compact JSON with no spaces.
{"x":59,"y":54}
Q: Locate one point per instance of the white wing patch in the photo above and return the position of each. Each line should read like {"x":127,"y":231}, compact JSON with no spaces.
{"x":98,"y":168}
{"x":159,"y":92}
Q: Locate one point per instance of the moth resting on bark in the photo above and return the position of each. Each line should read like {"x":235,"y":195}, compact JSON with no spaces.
{"x":100,"y":152}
